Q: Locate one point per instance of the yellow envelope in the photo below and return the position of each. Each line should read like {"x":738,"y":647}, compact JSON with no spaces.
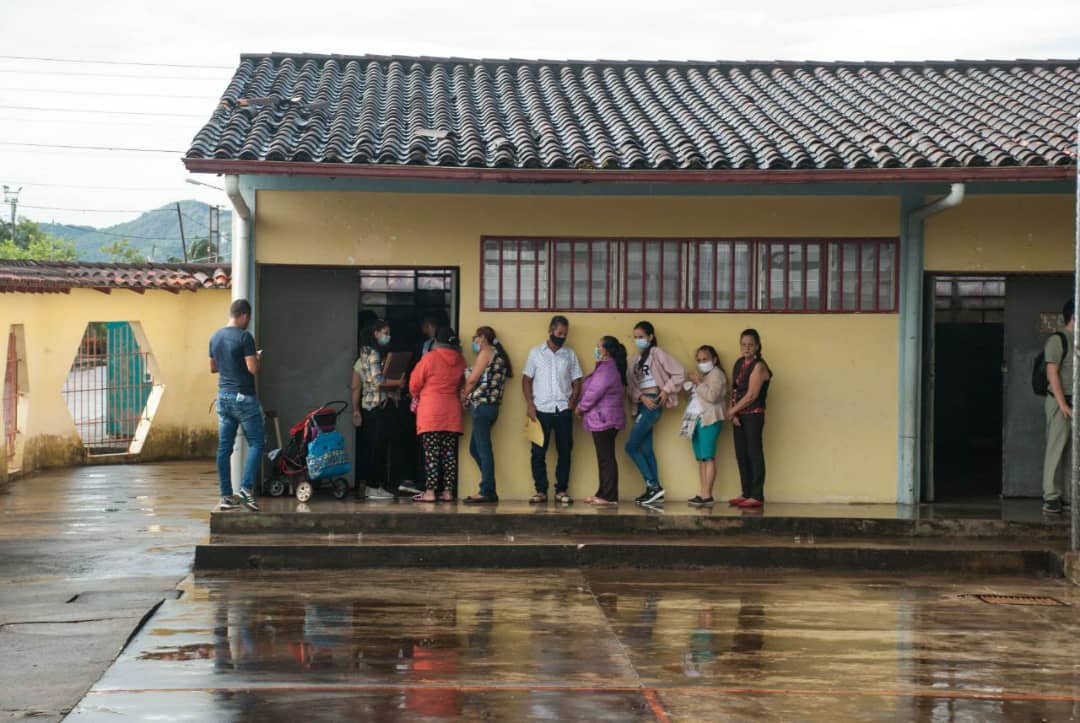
{"x":534,"y":432}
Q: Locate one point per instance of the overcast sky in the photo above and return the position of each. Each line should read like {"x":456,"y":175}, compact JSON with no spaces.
{"x":175,"y":100}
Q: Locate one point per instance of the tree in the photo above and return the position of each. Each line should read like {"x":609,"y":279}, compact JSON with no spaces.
{"x":123,"y":252}
{"x":33,"y":243}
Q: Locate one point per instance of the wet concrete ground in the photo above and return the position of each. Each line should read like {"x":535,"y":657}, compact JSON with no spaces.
{"x":88,"y":553}
{"x":85,"y":555}
{"x":618,"y":646}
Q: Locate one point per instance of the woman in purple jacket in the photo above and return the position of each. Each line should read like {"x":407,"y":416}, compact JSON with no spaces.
{"x":604,"y":413}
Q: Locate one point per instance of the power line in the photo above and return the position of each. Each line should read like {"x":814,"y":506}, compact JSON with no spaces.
{"x":89,"y":230}
{"x":90,"y":148}
{"x":147,"y":76}
{"x":112,"y":62}
{"x":112,"y":122}
{"x":66,"y":91}
{"x":105,"y":112}
{"x":177,"y":187}
{"x":96,"y":210}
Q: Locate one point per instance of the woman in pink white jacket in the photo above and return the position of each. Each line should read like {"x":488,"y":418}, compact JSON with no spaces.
{"x":653,"y":382}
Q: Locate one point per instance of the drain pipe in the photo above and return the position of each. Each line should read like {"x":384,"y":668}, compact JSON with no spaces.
{"x":241,"y":287}
{"x":911,"y":336}
{"x":1074,"y":478}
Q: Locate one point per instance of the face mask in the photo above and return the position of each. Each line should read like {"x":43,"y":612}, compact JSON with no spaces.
{"x":705,"y":367}
{"x":597,"y":354}
{"x":383,"y":340}
{"x":642,"y":344}
{"x":476,"y":347}
{"x":557,"y":340}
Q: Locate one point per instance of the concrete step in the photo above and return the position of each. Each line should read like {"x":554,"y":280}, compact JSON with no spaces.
{"x":359,"y":551}
{"x":284,"y":516}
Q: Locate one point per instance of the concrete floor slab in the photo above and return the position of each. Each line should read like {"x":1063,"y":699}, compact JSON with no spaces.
{"x":617,"y":645}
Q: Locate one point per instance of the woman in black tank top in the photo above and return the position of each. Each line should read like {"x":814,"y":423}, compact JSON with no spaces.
{"x":749,"y":390}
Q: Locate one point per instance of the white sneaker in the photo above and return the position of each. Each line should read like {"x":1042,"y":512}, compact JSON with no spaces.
{"x":410,"y":487}
{"x":378,"y":493}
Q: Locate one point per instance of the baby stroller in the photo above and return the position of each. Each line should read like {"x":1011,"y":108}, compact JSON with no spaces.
{"x":314,"y":455}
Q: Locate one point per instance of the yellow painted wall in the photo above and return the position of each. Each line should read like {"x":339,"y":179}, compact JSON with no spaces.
{"x":998,"y":234}
{"x":178,"y":327}
{"x":831,"y":433}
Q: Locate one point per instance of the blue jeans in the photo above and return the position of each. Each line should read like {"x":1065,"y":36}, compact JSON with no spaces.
{"x":247,"y":414}
{"x":483,"y":416}
{"x":639,"y":446}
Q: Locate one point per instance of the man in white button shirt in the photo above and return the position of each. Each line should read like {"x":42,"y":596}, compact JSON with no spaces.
{"x":551,"y":382}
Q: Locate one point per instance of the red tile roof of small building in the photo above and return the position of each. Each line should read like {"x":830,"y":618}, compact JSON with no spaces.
{"x":21,"y":276}
{"x":643,"y":115}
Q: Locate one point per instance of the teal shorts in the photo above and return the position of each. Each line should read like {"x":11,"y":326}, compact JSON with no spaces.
{"x":704,"y":441}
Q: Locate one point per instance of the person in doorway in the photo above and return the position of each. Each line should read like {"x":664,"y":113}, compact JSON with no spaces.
{"x":551,"y":382}
{"x":603,"y":412}
{"x":483,"y":395}
{"x":437,"y":382}
{"x":653,"y":382}
{"x":429,"y":325}
{"x":370,"y":413}
{"x":1058,"y":408}
{"x":750,"y":387}
{"x":703,"y":419}
{"x":235,"y":360}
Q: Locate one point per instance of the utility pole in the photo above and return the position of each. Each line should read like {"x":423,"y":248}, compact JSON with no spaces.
{"x":213,"y":235}
{"x":12,"y":199}
{"x":183,"y":242}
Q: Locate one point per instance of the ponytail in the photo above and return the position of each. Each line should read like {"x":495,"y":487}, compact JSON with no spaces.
{"x":489,"y":335}
{"x":616,"y":351}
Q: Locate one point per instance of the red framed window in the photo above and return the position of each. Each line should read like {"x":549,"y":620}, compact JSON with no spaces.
{"x":690,"y":275}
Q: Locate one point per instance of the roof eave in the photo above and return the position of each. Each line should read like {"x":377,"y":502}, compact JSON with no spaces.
{"x":571,"y":175}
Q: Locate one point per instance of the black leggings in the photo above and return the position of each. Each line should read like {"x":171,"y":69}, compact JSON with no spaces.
{"x":750,"y":455}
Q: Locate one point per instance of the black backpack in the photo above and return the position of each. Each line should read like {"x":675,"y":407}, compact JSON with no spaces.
{"x":1039,"y":384}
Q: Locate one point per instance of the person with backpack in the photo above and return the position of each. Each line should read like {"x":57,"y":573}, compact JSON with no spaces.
{"x":750,"y":387}
{"x":1058,"y":356}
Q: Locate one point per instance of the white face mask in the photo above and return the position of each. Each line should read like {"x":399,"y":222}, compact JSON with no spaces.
{"x":705,"y":367}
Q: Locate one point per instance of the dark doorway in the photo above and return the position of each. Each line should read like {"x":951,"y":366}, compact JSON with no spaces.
{"x":404,"y":297}
{"x":968,"y":352}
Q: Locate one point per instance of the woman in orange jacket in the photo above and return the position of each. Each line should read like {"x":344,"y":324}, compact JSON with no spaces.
{"x":436,"y":382}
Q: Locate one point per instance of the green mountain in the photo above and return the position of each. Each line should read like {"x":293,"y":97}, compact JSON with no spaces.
{"x":156,"y":233}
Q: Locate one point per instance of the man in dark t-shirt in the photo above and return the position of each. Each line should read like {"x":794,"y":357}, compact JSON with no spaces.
{"x":235,"y":360}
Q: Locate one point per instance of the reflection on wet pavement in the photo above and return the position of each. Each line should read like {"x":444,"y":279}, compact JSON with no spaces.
{"x":621,"y":645}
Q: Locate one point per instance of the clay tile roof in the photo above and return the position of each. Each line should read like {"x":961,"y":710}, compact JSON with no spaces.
{"x":540,"y":114}
{"x":61,"y":276}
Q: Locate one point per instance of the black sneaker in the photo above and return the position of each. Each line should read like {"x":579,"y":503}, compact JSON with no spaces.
{"x":227,"y":503}
{"x":1053,"y":506}
{"x":651,"y":496}
{"x":699,"y":501}
{"x":248,"y":500}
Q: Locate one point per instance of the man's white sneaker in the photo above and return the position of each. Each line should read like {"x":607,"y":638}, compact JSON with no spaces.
{"x":378,"y":493}
{"x":227,"y":503}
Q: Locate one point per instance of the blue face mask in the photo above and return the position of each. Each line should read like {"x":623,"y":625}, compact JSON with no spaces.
{"x":476,"y":347}
{"x":383,"y":340}
{"x":642,"y":344}
{"x":597,"y":354}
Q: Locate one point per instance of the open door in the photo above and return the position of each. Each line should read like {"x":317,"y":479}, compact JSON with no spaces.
{"x":1032,"y":312}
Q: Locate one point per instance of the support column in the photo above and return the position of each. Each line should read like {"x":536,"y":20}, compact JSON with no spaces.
{"x":908,"y":448}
